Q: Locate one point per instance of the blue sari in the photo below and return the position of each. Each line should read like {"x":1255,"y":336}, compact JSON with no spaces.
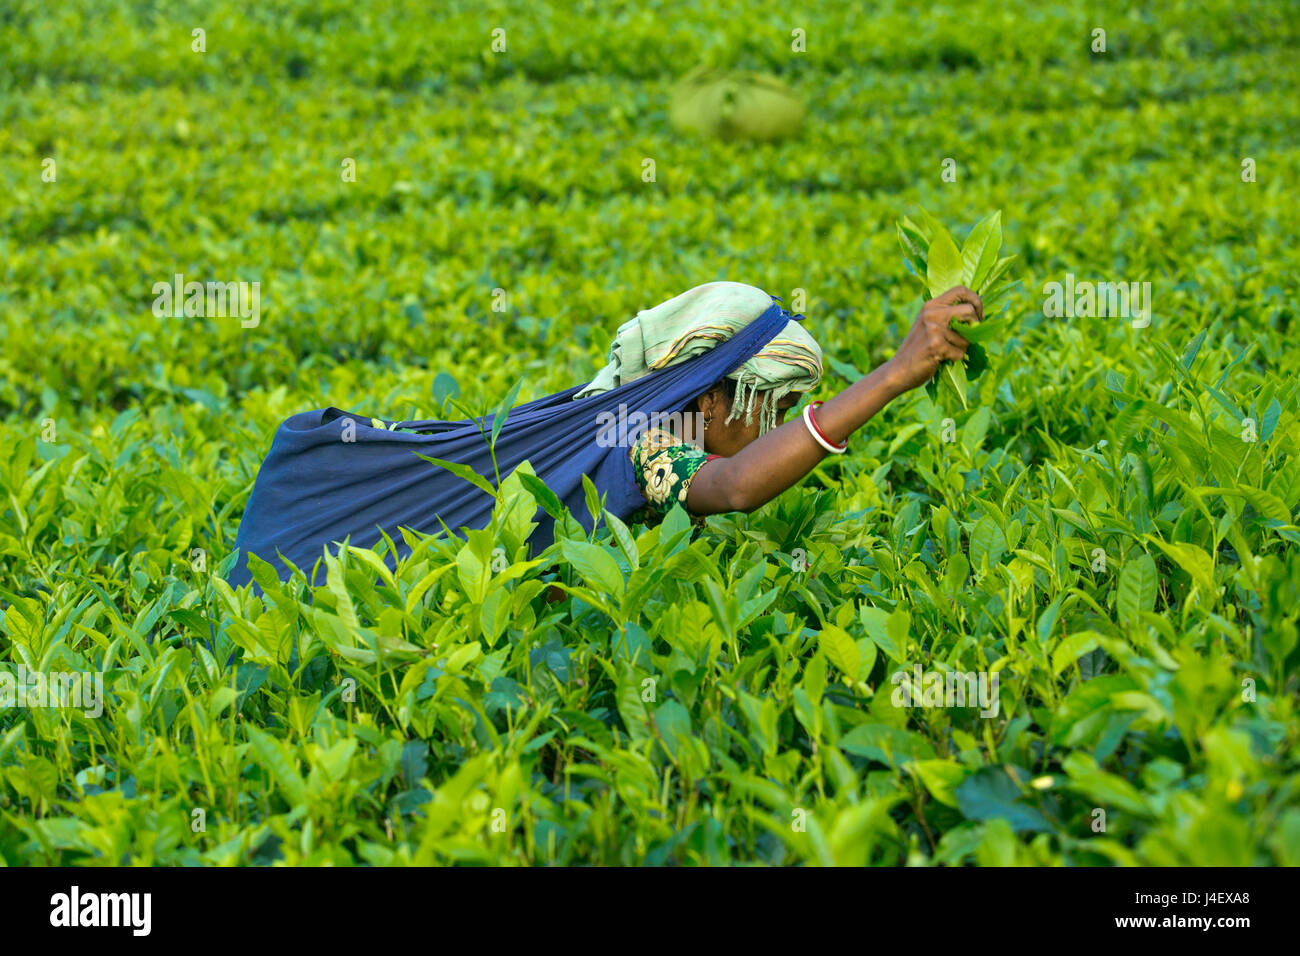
{"x":315,"y":488}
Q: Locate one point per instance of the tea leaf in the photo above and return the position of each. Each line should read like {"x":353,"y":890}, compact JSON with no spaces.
{"x":595,"y":566}
{"x":1137,"y":588}
{"x":979,"y":254}
{"x":944,"y":266}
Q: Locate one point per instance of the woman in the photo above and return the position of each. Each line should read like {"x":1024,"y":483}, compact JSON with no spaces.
{"x":747,"y":461}
{"x":724,"y":357}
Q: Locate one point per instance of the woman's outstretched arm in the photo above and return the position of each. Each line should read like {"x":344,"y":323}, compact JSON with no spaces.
{"x":774,"y":462}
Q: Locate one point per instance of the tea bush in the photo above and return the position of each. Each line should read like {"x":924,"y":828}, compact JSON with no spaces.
{"x":1107,"y":525}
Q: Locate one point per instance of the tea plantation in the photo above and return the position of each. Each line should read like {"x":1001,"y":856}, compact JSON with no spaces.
{"x":440,"y":201}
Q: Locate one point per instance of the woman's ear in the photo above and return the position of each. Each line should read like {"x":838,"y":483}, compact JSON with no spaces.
{"x":713,"y":402}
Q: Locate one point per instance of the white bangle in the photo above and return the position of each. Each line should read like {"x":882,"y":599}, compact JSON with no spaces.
{"x":817,"y":435}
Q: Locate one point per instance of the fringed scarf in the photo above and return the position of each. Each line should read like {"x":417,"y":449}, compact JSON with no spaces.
{"x":696,"y":321}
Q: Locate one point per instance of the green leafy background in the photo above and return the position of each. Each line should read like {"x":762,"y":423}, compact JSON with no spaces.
{"x":707,"y":697}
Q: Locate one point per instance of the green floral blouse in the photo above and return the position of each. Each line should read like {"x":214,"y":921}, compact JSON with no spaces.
{"x":663,"y":466}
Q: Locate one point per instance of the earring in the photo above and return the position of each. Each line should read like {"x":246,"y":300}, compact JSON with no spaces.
{"x":708,"y":420}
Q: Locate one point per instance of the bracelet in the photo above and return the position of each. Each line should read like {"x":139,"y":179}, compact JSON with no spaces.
{"x":817,"y":432}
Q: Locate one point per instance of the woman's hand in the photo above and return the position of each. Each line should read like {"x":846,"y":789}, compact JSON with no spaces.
{"x":930,"y":341}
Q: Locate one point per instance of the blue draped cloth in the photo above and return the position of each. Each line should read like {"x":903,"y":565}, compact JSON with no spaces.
{"x":315,"y":489}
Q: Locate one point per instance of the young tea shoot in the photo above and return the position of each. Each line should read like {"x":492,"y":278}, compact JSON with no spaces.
{"x":932,"y":256}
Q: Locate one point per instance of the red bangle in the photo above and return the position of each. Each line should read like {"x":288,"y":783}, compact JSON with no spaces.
{"x":811,"y":418}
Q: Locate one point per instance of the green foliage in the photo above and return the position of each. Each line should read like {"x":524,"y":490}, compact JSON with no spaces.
{"x":1110,"y":530}
{"x":933,"y":257}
